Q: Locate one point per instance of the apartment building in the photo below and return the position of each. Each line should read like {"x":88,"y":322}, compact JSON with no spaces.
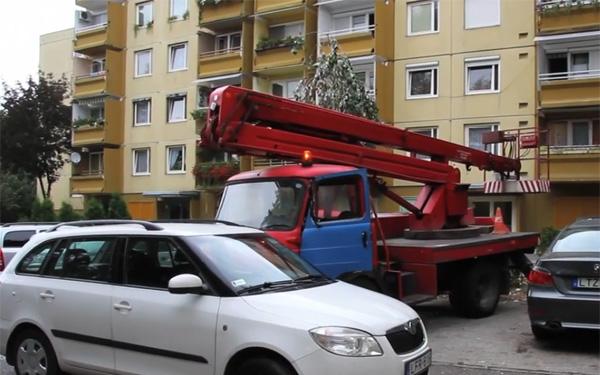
{"x":568,"y":49}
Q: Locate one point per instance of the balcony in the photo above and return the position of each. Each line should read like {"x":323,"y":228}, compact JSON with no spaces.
{"x":572,"y":163}
{"x":351,"y":43}
{"x":570,"y":89}
{"x":106,"y":132}
{"x":101,"y":30}
{"x":211,"y":13}
{"x":264,"y":6}
{"x":215,"y":63}
{"x":559,"y":16}
{"x":98,"y":172}
{"x":99,"y":76}
{"x":287,"y":53}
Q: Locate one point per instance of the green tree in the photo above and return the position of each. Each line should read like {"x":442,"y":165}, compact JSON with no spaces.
{"x":67,"y":213}
{"x":17,"y":194}
{"x":35,"y":129}
{"x":43,"y":210}
{"x":117,"y":207}
{"x":334,"y":85}
{"x":94,"y":210}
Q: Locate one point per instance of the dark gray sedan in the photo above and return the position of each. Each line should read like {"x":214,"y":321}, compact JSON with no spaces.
{"x":564,"y":285}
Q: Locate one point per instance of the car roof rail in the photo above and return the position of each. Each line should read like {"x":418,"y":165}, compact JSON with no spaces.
{"x":91,"y":223}
{"x":30,"y":223}
{"x":196,"y":221}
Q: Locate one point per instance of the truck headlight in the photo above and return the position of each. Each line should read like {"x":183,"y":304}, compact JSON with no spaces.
{"x":346,"y":341}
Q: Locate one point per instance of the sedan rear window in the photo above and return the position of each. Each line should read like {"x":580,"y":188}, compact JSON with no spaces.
{"x":17,"y":238}
{"x":578,"y":241}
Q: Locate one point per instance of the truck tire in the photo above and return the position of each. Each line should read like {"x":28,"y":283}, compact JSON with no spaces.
{"x":476,"y":292}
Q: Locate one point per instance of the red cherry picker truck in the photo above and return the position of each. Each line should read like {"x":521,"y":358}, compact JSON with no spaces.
{"x":323,"y":207}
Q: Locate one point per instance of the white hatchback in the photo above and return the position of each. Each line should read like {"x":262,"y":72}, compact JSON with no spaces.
{"x":134,"y":297}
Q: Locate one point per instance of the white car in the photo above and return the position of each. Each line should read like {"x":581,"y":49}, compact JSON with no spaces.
{"x":134,"y":297}
{"x":14,"y":235}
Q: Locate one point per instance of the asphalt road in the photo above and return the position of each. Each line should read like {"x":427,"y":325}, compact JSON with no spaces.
{"x":499,"y":345}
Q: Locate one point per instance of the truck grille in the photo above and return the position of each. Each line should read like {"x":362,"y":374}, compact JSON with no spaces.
{"x":404,"y":339}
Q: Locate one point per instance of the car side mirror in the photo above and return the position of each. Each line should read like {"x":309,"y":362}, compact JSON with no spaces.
{"x":186,"y":284}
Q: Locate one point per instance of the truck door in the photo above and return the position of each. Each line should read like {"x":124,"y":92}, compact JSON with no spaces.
{"x":337,"y":234}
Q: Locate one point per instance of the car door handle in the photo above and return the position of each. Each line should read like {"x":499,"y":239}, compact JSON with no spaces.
{"x":47,"y":295}
{"x":364,"y":239}
{"x":122,"y":306}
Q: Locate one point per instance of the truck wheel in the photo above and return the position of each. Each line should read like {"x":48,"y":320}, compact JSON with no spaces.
{"x":476,"y":293}
{"x":264,"y":366}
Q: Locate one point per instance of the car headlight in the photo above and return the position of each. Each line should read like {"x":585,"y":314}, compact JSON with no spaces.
{"x":346,"y":341}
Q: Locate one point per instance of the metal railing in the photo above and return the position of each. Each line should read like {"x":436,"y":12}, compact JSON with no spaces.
{"x":91,"y":172}
{"x":91,"y":27}
{"x":221,"y":52}
{"x":581,"y":74}
{"x":351,"y":30}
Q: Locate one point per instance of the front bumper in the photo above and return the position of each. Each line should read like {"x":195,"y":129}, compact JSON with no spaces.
{"x":323,"y":362}
{"x":549,"y":308}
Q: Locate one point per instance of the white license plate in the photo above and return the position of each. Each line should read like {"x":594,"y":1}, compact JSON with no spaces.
{"x":587,"y":282}
{"x":418,"y":365}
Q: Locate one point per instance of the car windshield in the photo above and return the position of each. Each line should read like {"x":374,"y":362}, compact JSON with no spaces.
{"x":266,"y":205}
{"x":252,"y":260}
{"x":587,"y":240}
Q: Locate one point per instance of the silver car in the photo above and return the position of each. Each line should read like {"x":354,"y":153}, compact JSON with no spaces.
{"x":564,"y":285}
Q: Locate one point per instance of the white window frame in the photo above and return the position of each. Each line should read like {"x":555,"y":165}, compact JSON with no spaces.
{"x":492,"y":199}
{"x":285,"y":85}
{"x":496,"y":148}
{"x":172,"y":48}
{"x":99,"y":154}
{"x":101,"y":110}
{"x":494,"y":63}
{"x":137,"y":13}
{"x":171,"y":9}
{"x":294,"y":23}
{"x":134,"y":154}
{"x":435,"y":79}
{"x":488,"y":6}
{"x":102,"y":62}
{"x":435,"y":4}
{"x":570,"y":132}
{"x":348,"y":17}
{"x":433,"y":133}
{"x":169,"y":101}
{"x":135,"y":119}
{"x":229,"y":47}
{"x":168,"y":154}
{"x":136,"y":61}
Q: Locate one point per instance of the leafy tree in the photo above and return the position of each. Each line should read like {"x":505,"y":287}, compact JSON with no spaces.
{"x":334,"y":85}
{"x":35,"y":128}
{"x":94,"y":210}
{"x":17,"y":194}
{"x":43,"y":210}
{"x":67,"y":213}
{"x":117,"y":207}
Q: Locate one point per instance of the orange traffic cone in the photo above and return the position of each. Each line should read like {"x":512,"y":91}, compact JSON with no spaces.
{"x":499,"y":226}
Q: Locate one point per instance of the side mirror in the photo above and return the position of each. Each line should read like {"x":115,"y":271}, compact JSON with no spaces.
{"x":186,"y":284}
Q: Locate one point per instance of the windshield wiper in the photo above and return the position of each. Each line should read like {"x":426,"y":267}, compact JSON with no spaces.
{"x":266,"y":286}
{"x":312,"y":278}
{"x":275,"y":226}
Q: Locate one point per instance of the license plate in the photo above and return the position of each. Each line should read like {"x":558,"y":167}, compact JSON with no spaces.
{"x":587,"y":282}
{"x":418,"y":365}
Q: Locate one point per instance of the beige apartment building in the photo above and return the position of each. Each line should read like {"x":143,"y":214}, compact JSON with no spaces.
{"x":452,"y":69}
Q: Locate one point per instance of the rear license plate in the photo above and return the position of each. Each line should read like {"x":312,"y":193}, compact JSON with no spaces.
{"x":587,"y":282}
{"x":418,"y":365}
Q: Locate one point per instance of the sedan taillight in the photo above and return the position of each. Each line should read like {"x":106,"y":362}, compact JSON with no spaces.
{"x":1,"y":261}
{"x":540,"y":276}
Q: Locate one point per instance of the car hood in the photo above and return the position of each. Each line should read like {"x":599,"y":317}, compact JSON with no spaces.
{"x":336,"y":304}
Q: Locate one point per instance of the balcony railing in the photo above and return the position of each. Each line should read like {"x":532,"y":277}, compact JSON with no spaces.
{"x":97,"y":26}
{"x":91,"y":172}
{"x":351,"y":30}
{"x":582,"y":74}
{"x":544,"y":5}
{"x":221,"y":52}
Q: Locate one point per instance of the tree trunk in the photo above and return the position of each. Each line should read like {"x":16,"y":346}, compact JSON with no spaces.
{"x":44,"y":193}
{"x":49,"y":188}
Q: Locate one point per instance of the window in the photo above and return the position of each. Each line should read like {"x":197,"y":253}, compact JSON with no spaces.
{"x":422,"y":81}
{"x":430,"y":132}
{"x":475,"y":137}
{"x":177,"y":57}
{"x":574,"y":133}
{"x":141,"y":162}
{"x":97,"y":113}
{"x":178,"y":8}
{"x":339,"y":199}
{"x":98,"y":67}
{"x":143,"y":12}
{"x":354,"y":22}
{"x":17,"y":238}
{"x":368,"y":80}
{"x":285,"y":89}
{"x":96,"y":163}
{"x":143,"y":63}
{"x":482,"y":76}
{"x":33,"y":262}
{"x":228,"y":42}
{"x":175,"y":159}
{"x":482,"y":13}
{"x":282,"y":31}
{"x":486,"y":207}
{"x":567,"y":65}
{"x":85,"y":259}
{"x":151,"y":262}
{"x":422,"y":17}
{"x":176,"y":108}
{"x":141,"y":112}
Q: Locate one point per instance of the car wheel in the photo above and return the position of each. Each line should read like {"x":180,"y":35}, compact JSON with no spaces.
{"x":542,"y":334}
{"x":264,"y":366}
{"x":476,"y":294}
{"x":34,"y":354}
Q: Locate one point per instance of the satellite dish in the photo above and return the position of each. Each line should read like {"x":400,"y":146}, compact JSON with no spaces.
{"x":75,"y":158}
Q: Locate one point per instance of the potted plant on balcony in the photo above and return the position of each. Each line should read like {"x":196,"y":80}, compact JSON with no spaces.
{"x":295,"y":42}
{"x":214,"y":174}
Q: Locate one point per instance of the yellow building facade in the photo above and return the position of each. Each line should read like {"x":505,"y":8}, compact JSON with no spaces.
{"x":451,"y":69}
